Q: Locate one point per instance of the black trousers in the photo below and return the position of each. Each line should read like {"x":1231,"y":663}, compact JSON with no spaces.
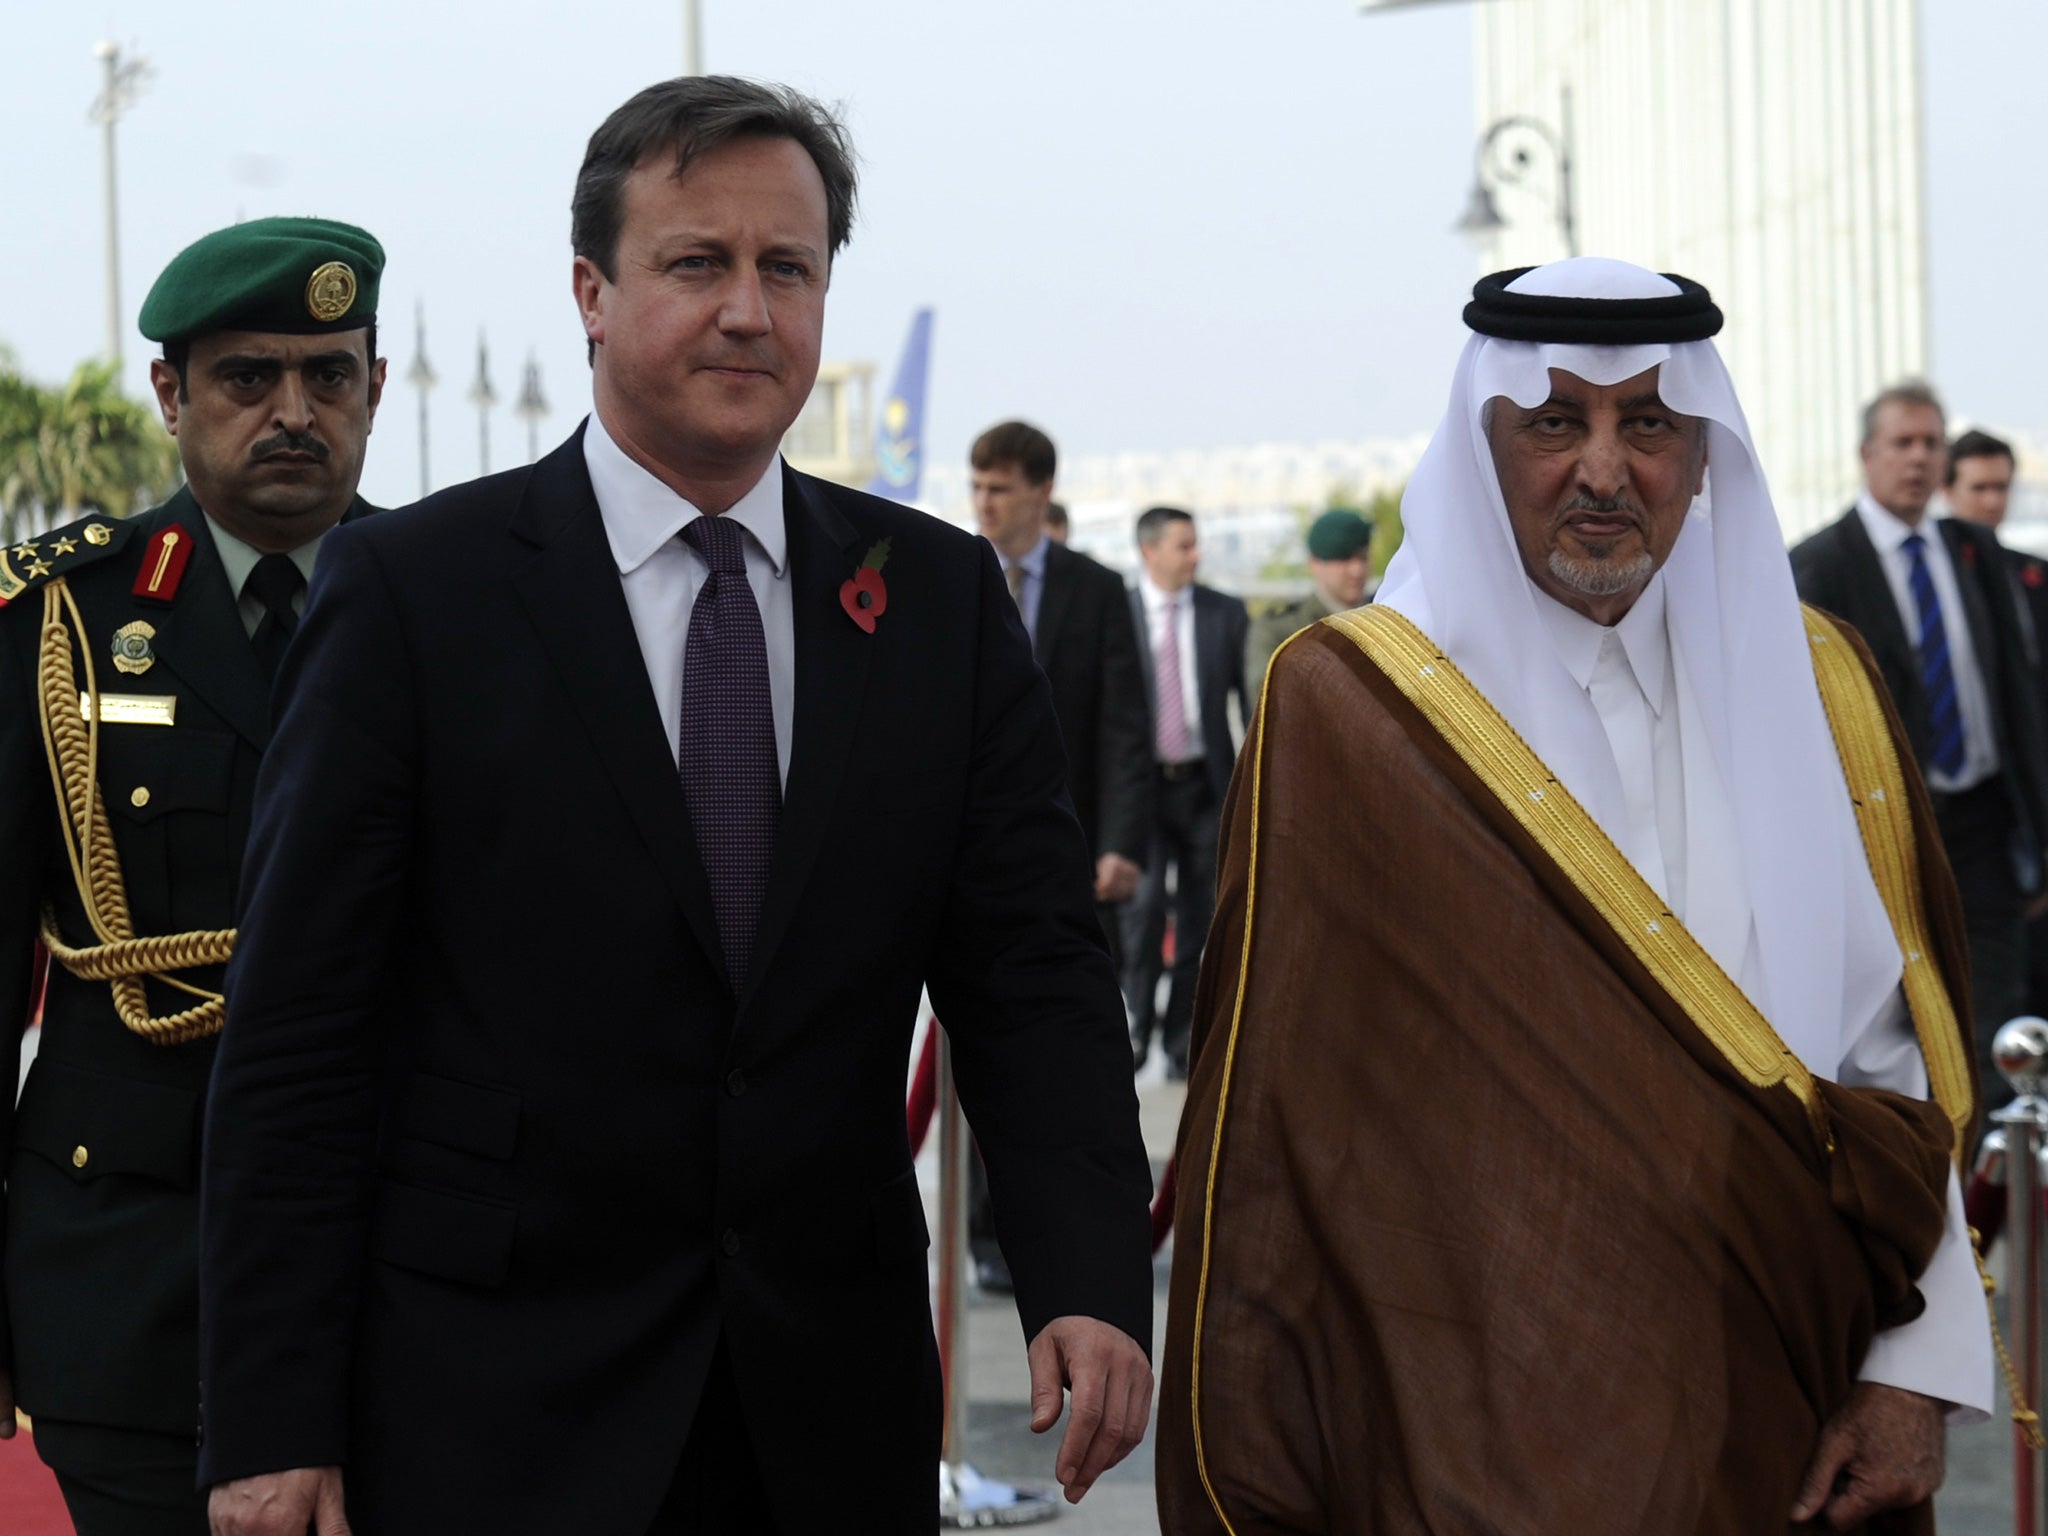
{"x":1977,"y":832}
{"x":1189,"y":821}
{"x":717,"y":1488}
{"x":124,"y":1482}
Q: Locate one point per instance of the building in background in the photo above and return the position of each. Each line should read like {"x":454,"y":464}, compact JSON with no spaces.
{"x":1771,"y":150}
{"x":832,"y":436}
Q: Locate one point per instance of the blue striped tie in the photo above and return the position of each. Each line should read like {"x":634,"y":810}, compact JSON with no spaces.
{"x":1937,"y":672}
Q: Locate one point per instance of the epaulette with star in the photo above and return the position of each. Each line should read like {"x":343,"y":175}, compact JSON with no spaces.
{"x":27,"y":565}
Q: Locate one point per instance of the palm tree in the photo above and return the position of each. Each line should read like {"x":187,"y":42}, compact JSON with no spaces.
{"x":83,"y":447}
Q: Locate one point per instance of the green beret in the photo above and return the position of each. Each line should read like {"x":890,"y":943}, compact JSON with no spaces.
{"x":1338,"y":534}
{"x":297,"y":277}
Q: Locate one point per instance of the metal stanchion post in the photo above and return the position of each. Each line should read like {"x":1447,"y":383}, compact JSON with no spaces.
{"x":966,"y":1499}
{"x":2021,"y":1051}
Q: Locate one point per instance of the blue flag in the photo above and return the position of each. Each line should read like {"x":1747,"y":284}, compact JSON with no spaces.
{"x":899,"y":429}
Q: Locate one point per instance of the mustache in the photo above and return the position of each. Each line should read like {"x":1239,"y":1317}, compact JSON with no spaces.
{"x":289,"y":442}
{"x":1584,"y":502}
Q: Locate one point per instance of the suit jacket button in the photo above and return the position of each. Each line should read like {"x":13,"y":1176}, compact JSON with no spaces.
{"x":139,"y":797}
{"x":79,"y":1157}
{"x":730,"y":1243}
{"x":735,"y":1082}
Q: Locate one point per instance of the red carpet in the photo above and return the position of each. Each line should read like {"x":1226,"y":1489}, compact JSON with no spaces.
{"x":29,"y":1502}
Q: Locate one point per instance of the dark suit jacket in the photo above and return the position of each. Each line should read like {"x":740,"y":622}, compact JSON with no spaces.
{"x":1088,"y":649}
{"x":494,"y":1156}
{"x":1221,"y":625}
{"x":1838,"y":569}
{"x":102,"y":1201}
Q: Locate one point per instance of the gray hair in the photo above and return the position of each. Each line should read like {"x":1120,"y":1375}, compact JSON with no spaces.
{"x":1905,"y":392}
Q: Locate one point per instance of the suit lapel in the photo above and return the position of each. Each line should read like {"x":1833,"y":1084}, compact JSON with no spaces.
{"x":200,"y":635}
{"x":1138,"y":618}
{"x":572,"y":595}
{"x":1053,"y":602}
{"x":832,"y":654}
{"x":1963,"y":556}
{"x":1874,"y":602}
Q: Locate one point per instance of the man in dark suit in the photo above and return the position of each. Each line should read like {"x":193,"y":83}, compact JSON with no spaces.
{"x":1978,"y":489}
{"x":1083,"y":639}
{"x":1933,"y":600}
{"x":173,"y":623}
{"x":555,"y":1174}
{"x":1192,"y":646}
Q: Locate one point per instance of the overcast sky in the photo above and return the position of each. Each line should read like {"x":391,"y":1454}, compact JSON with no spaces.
{"x":1146,"y":224}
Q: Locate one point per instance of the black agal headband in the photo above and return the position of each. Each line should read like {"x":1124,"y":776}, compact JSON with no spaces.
{"x":1688,"y":315}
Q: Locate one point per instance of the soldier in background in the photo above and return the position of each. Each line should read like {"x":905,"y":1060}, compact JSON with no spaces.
{"x":171,"y":624}
{"x":1340,"y":565}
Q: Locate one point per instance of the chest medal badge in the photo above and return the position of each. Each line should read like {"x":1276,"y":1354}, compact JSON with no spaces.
{"x":133,"y":653}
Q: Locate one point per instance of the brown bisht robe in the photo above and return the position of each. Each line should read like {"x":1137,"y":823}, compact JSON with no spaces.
{"x":1497,"y":1240}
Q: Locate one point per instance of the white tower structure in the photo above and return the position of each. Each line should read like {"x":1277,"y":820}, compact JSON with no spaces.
{"x":1772,"y":151}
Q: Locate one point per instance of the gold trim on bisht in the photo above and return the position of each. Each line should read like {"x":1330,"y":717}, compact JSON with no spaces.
{"x":1884,"y":815}
{"x":1567,"y":832}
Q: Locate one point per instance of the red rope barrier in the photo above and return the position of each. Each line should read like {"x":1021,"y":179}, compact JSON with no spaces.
{"x":924,"y":1090}
{"x":924,"y":1100}
{"x":1162,"y":1204}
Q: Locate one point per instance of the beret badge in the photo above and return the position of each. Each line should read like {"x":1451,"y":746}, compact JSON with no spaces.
{"x":330,"y":291}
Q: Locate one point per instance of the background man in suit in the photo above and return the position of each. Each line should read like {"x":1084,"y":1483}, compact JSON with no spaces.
{"x":1193,"y":653}
{"x":1082,"y":636}
{"x":1933,"y":601}
{"x":1979,"y":490}
{"x":556,"y":1175}
{"x":269,"y":382}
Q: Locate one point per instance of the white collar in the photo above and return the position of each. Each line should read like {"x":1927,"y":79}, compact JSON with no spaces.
{"x":1645,"y":641}
{"x":1033,"y":559}
{"x":641,"y":514}
{"x":1156,"y":598}
{"x":1888,"y":531}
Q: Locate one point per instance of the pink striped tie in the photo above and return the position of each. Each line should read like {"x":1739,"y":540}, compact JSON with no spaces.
{"x":1173,"y":713}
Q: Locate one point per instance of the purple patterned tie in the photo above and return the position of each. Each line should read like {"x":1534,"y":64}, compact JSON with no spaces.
{"x":732,"y":780}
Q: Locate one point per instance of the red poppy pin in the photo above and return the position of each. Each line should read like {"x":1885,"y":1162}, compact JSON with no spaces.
{"x":2032,"y":573}
{"x":865,"y":598}
{"x":1970,"y":556}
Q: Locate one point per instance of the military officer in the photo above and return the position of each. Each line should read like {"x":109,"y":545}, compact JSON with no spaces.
{"x":1340,"y":565}
{"x":135,"y":665}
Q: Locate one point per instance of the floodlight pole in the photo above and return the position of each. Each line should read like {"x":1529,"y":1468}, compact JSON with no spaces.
{"x":693,"y":38}
{"x":121,"y":82}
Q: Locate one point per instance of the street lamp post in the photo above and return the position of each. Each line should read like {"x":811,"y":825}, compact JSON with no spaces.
{"x":121,"y":81}
{"x":693,"y":38}
{"x":531,"y":406}
{"x":1504,"y":160}
{"x":483,"y":397}
{"x":421,"y":376}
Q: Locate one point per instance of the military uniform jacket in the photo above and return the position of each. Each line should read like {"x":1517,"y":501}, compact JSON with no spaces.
{"x":102,"y":1197}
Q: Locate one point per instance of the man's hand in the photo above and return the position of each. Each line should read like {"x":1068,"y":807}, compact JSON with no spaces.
{"x":1112,"y":1386}
{"x":1883,"y":1450}
{"x":6,"y":1406}
{"x":279,"y":1504}
{"x":1116,"y":878}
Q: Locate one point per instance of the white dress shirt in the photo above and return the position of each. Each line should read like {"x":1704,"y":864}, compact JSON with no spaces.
{"x":1680,"y":839}
{"x":239,"y":559}
{"x":1889,"y":535}
{"x":643,"y":522}
{"x":1184,"y":627}
{"x":1031,"y":590}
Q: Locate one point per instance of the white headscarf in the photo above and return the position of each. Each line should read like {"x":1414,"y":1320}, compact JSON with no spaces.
{"x":1824,"y":957}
